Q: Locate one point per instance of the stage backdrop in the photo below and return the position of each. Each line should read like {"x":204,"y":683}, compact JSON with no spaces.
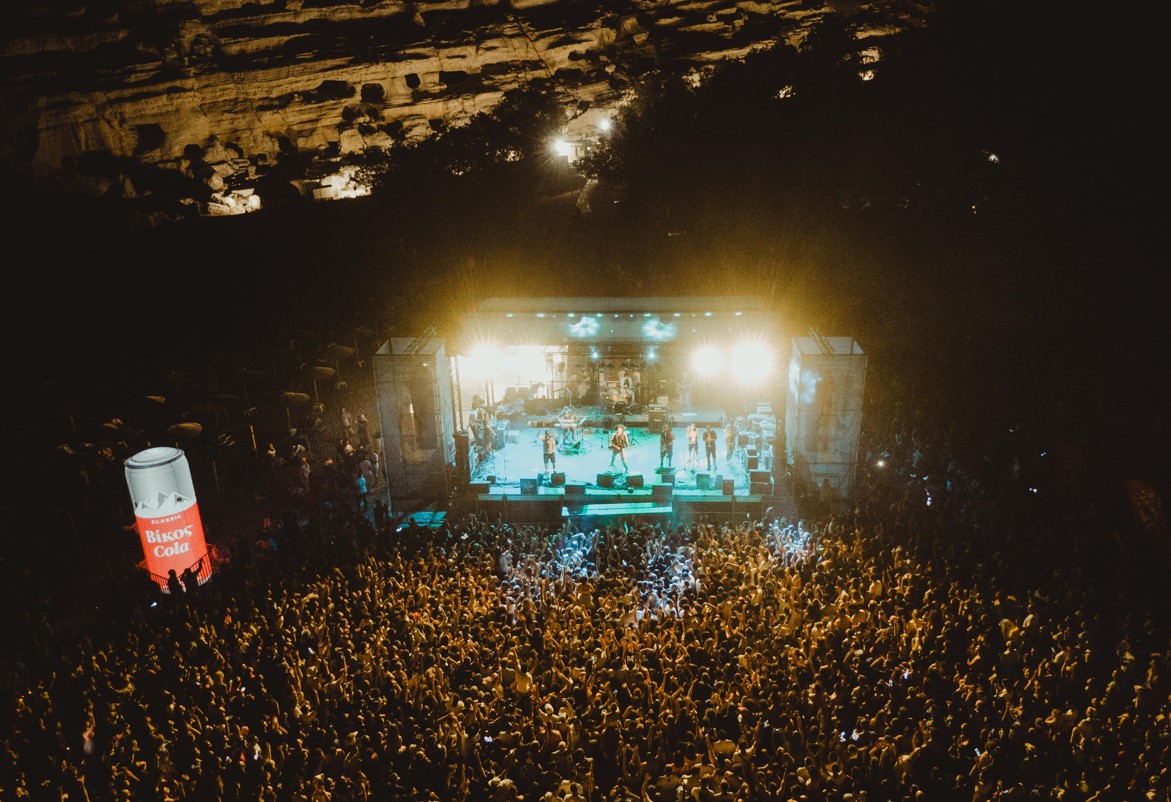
{"x":413,"y":386}
{"x":823,"y":411}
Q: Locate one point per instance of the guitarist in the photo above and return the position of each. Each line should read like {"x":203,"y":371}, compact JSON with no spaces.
{"x":619,"y":441}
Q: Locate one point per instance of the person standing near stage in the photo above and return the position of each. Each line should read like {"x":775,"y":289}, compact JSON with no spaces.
{"x":550,"y":450}
{"x":667,"y":447}
{"x":363,"y":431}
{"x":709,"y":446}
{"x":360,"y":490}
{"x":692,"y":460}
{"x":619,"y":441}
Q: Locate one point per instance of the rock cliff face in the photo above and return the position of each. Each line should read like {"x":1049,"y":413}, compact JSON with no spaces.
{"x":106,"y":96}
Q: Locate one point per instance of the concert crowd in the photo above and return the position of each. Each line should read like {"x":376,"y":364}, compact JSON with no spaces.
{"x":958,"y":637}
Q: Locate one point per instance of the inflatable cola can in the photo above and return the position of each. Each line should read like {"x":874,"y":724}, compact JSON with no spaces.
{"x":166,"y":513}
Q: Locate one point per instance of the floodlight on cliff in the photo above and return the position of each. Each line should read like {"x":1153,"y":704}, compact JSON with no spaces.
{"x":561,"y":148}
{"x":604,"y":125}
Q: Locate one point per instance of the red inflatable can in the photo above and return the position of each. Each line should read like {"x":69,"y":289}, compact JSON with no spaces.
{"x":167,"y":514}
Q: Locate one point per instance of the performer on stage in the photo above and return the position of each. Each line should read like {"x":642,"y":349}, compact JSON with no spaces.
{"x":730,"y":435}
{"x":692,"y":460}
{"x":484,"y":436}
{"x":619,"y":441}
{"x":550,"y":450}
{"x":709,"y":446}
{"x":567,"y":420}
{"x":667,"y":447}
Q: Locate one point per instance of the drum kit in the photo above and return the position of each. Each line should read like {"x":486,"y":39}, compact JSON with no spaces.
{"x":622,"y":403}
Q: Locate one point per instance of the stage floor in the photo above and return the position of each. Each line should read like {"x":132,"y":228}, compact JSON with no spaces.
{"x":521,"y":456}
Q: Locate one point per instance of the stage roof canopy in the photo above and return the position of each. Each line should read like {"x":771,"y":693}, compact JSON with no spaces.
{"x":562,"y":320}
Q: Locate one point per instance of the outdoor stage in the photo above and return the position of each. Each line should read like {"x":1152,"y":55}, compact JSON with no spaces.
{"x":467,"y":422}
{"x":513,"y":482}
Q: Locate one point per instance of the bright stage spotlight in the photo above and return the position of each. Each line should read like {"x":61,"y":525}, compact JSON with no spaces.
{"x":753,"y":362}
{"x":706,"y":361}
{"x":484,"y":360}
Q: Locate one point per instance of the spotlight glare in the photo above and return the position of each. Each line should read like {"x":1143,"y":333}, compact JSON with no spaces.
{"x":706,"y":360}
{"x":752,"y":362}
{"x":483,"y":360}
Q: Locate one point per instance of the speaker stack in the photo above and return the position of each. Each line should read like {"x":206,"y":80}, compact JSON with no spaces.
{"x":605,"y":480}
{"x":661,"y":493}
{"x":760,"y":483}
{"x":634,"y":480}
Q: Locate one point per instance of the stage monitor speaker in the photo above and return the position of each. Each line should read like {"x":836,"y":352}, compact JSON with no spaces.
{"x":707,"y":481}
{"x":761,"y":488}
{"x":605,"y":480}
{"x":656,"y":421}
{"x":634,"y":480}
{"x":557,"y":479}
{"x":528,"y":487}
{"x":729,"y":487}
{"x":759,"y":476}
{"x":479,"y":487}
{"x":575,"y":490}
{"x":661,"y":494}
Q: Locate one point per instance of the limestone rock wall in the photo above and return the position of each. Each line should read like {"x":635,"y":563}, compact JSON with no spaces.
{"x":207,"y":87}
